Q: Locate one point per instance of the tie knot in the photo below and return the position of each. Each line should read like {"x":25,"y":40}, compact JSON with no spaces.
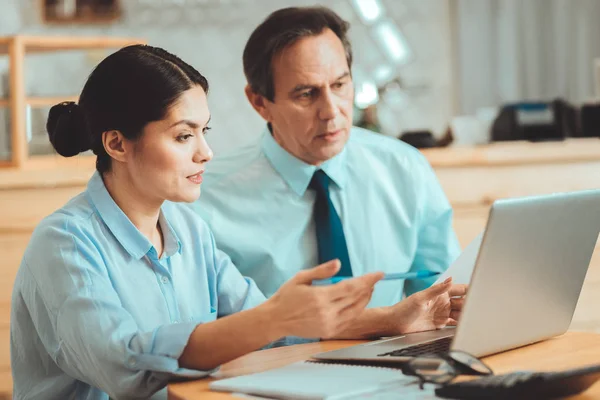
{"x":320,"y":181}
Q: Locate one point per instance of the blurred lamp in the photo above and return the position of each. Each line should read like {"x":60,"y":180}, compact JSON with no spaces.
{"x":366,"y":95}
{"x":383,"y":74}
{"x":369,"y":10}
{"x":393,"y":42}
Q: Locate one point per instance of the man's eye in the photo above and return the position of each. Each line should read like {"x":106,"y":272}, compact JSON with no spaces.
{"x":205,"y":130}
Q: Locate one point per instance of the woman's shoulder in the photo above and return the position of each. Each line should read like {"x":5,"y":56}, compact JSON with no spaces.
{"x":58,"y":229}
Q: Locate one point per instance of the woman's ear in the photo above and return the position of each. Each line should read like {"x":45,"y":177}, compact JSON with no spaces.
{"x":114,"y":145}
{"x":259,"y":103}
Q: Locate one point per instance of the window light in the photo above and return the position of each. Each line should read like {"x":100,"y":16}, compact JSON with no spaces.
{"x":369,"y":10}
{"x":366,"y":94}
{"x":393,"y":42}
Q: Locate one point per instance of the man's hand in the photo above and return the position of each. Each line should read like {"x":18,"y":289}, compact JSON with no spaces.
{"x":432,"y":308}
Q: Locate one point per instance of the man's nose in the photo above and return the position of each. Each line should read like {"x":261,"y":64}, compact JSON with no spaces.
{"x":328,"y":108}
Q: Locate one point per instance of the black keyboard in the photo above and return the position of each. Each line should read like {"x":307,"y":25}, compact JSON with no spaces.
{"x":434,"y":347}
{"x":523,"y":385}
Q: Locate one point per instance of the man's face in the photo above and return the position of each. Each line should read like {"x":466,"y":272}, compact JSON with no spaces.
{"x":311,"y":114}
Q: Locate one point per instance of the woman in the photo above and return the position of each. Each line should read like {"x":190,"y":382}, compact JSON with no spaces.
{"x":123,"y":289}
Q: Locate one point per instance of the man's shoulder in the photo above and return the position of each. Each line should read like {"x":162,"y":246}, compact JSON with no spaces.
{"x":234,"y":162}
{"x":385,"y":148}
{"x":184,"y":219}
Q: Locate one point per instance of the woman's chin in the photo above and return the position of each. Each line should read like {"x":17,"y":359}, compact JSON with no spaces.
{"x":186,"y":197}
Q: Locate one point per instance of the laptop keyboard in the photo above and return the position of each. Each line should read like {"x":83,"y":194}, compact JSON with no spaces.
{"x":441,"y":345}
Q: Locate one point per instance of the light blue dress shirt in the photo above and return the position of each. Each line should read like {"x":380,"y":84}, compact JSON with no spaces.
{"x":395,"y":215}
{"x":95,"y":313}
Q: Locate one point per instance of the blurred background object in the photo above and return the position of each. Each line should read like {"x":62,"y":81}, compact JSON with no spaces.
{"x":536,"y":121}
{"x":369,"y":119}
{"x":80,"y":11}
{"x":419,"y":139}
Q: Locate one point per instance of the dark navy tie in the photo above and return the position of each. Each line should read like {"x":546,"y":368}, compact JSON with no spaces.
{"x":330,"y":235}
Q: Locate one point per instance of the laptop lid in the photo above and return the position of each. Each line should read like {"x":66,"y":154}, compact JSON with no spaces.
{"x":529,"y":271}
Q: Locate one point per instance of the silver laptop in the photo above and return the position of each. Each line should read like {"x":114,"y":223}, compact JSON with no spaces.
{"x":525,"y":285}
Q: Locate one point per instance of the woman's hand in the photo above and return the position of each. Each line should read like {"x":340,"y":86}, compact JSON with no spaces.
{"x":300,"y":309}
{"x":429,"y":309}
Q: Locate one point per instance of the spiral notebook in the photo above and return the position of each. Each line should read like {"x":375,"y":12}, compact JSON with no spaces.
{"x":312,"y":380}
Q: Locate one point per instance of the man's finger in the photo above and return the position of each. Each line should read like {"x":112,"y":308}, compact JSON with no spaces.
{"x":458,"y":290}
{"x":451,"y":322}
{"x":457,"y":303}
{"x":434,"y":291}
{"x":455,"y":315}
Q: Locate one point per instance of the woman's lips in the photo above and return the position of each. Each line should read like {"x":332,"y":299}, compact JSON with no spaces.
{"x":196,"y":178}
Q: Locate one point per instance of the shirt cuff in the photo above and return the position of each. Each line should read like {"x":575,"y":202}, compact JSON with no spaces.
{"x":169,"y":343}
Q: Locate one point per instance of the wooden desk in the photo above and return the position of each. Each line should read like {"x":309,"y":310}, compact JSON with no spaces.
{"x":571,"y":350}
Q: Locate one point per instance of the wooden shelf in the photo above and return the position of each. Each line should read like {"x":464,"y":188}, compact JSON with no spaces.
{"x":42,"y":101}
{"x":36,"y":44}
{"x":17,"y":47}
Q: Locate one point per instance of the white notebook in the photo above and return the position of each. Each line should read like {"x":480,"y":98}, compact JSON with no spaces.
{"x":310,"y":380}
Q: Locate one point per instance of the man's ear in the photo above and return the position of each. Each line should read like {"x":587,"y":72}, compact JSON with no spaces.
{"x":114,"y":144}
{"x":259,"y":103}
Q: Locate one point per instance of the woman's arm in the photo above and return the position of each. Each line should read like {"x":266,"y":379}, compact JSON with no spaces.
{"x":297,"y":309}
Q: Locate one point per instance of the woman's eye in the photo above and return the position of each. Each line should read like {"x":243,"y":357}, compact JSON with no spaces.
{"x":183,"y":138}
{"x":205,"y":130}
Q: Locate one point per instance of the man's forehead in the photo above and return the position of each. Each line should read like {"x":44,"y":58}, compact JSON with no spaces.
{"x":316,"y":80}
{"x":314,"y":60}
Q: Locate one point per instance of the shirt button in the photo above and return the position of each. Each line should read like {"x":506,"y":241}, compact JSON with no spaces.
{"x":131,"y":361}
{"x":175,"y":322}
{"x":165,"y":280}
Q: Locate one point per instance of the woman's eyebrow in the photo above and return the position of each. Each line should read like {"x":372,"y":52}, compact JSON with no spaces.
{"x":187,"y":122}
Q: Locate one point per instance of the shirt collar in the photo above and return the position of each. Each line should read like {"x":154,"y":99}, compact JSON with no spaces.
{"x":134,"y":242}
{"x":172,"y":243}
{"x":296,"y":172}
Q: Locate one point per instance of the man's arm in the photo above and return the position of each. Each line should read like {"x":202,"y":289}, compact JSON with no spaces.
{"x":430,"y":309}
{"x":437,"y":245}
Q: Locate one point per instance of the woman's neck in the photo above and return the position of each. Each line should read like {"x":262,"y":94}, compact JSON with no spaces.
{"x":140,"y":210}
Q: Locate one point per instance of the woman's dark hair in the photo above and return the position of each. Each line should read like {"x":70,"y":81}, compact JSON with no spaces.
{"x":281,"y":29}
{"x":127,"y":90}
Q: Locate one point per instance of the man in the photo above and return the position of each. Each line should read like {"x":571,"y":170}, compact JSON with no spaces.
{"x":315,"y":188}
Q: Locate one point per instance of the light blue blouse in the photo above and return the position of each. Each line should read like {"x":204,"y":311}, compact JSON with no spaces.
{"x":95,"y":313}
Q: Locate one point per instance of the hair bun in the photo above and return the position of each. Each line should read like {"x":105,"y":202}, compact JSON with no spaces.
{"x":67,"y":129}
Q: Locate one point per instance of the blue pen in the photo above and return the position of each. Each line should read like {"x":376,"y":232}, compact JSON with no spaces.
{"x":386,"y":277}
